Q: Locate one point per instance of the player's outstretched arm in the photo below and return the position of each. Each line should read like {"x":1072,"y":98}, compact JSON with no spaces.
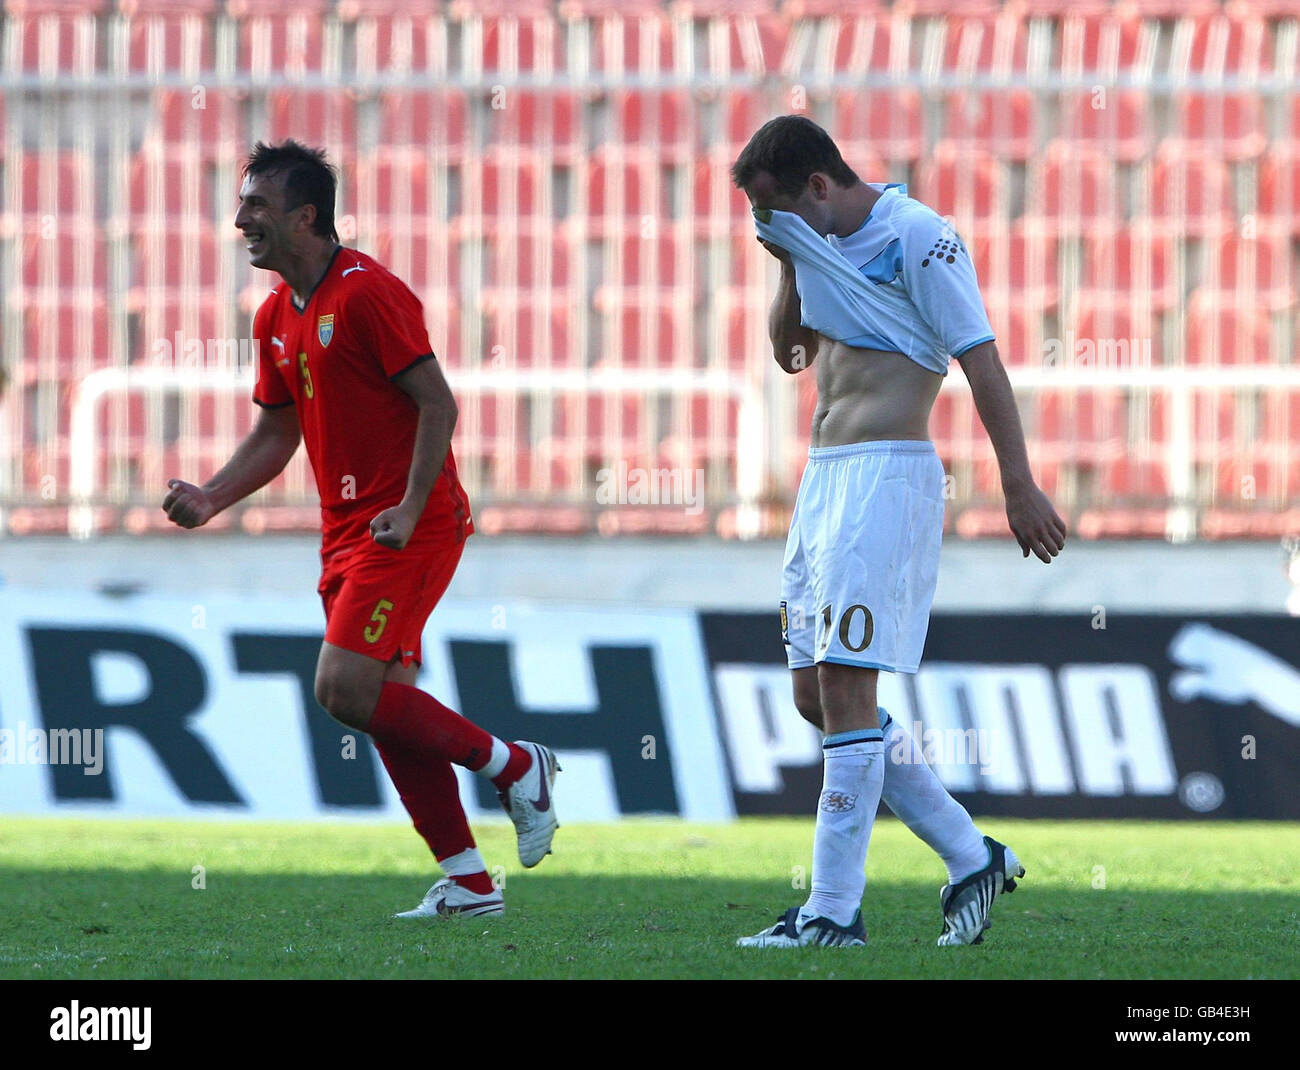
{"x":1034,"y":522}
{"x":258,"y":460}
{"x":427,"y":387}
{"x":793,"y":345}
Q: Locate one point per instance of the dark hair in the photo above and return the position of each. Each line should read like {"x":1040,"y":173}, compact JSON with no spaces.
{"x":308,"y":179}
{"x":791,"y":148}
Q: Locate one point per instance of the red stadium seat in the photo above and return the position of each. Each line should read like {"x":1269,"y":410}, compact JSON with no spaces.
{"x":1114,"y":123}
{"x":71,"y":334}
{"x":1019,"y":334}
{"x":1256,"y":270}
{"x":394,"y":41}
{"x":1018,"y":267}
{"x":1227,"y":333}
{"x":1113,"y":337}
{"x":625,"y":190}
{"x":524,"y":260}
{"x":1129,"y":478}
{"x":319,"y":119}
{"x":1188,"y":191}
{"x":57,"y":185}
{"x":393,"y":182}
{"x":528,"y":332}
{"x":1279,"y":188}
{"x":1004,"y":123}
{"x":1103,"y":41}
{"x":433,"y":119}
{"x":643,"y":39}
{"x":546,"y":121}
{"x":994,"y":42}
{"x":661,"y":119}
{"x":202,"y":122}
{"x":170,"y":188}
{"x":967,"y":185}
{"x":1086,"y":425}
{"x":1132,"y":266}
{"x":273,"y":42}
{"x":57,"y":261}
{"x":886,"y":124}
{"x":1230,"y":125}
{"x":1072,"y":189}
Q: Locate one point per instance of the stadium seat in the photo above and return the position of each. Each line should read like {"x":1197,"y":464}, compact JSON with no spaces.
{"x":71,"y":334}
{"x":1134,"y":478}
{"x":1019,"y":334}
{"x":983,"y":41}
{"x":1072,"y":189}
{"x":546,"y":121}
{"x":57,"y":184}
{"x":206,"y":124}
{"x":1081,"y":425}
{"x":319,"y":119}
{"x":433,"y":119}
{"x":1113,"y":336}
{"x":396,"y":41}
{"x":271,"y":41}
{"x":1254,"y":270}
{"x":170,"y":188}
{"x":60,"y":260}
{"x":393,"y":182}
{"x":657,"y":118}
{"x":1225,"y":332}
{"x":1004,"y":123}
{"x":1114,"y":123}
{"x":624,"y":188}
{"x":1188,"y":191}
{"x":1017,"y":266}
{"x":1103,"y":41}
{"x":1229,"y":125}
{"x":967,"y":185}
{"x":1279,"y":187}
{"x":879,"y":124}
{"x":1131,"y":265}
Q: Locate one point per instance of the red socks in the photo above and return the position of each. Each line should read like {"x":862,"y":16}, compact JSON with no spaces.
{"x":415,"y":719}
{"x":418,"y":738}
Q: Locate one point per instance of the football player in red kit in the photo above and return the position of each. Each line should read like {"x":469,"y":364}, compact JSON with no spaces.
{"x":345,"y":363}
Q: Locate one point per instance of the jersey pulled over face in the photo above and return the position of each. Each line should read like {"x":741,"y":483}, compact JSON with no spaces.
{"x":336,"y":359}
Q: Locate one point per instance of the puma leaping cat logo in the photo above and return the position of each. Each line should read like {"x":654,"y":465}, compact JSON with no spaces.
{"x":1227,"y":668}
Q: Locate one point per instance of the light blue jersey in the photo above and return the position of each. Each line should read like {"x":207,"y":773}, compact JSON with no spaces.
{"x":903,"y":282}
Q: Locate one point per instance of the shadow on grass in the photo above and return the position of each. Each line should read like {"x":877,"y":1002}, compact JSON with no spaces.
{"x":153,"y":923}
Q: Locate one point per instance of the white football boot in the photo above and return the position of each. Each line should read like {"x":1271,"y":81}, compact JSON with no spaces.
{"x":966,"y":904}
{"x":530,"y":804}
{"x":447,"y":898}
{"x":793,"y":931}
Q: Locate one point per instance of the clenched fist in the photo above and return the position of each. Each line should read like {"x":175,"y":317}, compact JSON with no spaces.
{"x":188,"y":505}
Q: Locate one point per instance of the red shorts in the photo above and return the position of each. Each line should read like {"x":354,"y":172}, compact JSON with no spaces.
{"x":377,"y":600}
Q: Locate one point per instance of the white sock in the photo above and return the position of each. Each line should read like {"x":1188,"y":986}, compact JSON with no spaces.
{"x":919,"y":799}
{"x":500,"y":755}
{"x":853,"y":772}
{"x":468,"y":862}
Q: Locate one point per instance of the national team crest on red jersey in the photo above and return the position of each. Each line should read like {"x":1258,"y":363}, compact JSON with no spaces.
{"x":325,"y":329}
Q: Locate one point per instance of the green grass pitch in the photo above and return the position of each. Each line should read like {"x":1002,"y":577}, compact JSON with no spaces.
{"x":108,"y":898}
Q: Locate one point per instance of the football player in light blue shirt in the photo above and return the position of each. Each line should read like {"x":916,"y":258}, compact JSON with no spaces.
{"x":879,"y":292}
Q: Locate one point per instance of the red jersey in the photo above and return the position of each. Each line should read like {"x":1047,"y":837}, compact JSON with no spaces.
{"x":336,"y":359}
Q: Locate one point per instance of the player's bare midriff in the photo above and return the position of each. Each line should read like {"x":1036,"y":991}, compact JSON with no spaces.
{"x":866,"y":395}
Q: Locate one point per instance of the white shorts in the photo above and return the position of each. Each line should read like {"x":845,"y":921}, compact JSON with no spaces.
{"x":862,"y":558}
